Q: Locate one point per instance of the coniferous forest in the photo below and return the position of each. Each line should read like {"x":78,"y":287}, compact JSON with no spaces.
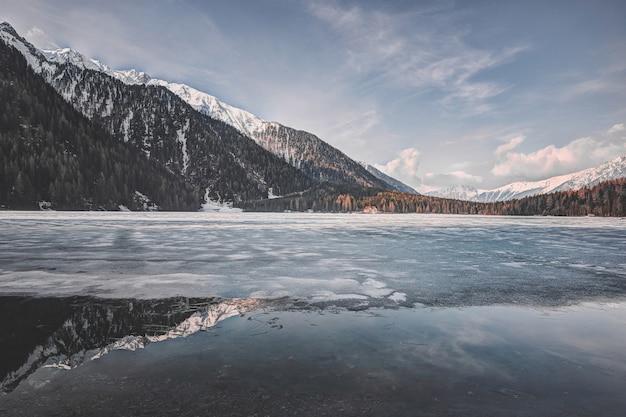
{"x":50,"y":152}
{"x":605,"y":199}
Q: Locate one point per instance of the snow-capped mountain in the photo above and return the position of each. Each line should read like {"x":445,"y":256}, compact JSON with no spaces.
{"x":211,"y":156}
{"x":213,"y":152}
{"x":303,"y":150}
{"x":457,"y":192}
{"x":245,"y":122}
{"x":613,"y":169}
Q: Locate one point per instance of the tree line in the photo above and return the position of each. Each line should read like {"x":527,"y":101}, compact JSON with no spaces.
{"x":605,"y":199}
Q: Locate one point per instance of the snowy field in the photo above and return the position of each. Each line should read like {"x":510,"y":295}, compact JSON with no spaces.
{"x":241,"y":314}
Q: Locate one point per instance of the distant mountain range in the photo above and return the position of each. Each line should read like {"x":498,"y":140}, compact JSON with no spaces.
{"x":611,"y":170}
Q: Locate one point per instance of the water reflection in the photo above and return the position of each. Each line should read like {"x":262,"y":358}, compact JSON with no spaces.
{"x":66,"y":332}
{"x":288,"y":357}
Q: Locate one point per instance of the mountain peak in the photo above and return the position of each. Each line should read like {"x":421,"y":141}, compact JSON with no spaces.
{"x":70,"y":56}
{"x":6,"y":27}
{"x":132,"y":76}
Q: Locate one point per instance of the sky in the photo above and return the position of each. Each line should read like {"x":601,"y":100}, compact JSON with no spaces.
{"x":434,"y":93}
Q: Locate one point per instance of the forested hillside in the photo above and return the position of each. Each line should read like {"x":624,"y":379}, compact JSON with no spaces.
{"x":210,"y":155}
{"x":50,"y":152}
{"x":605,"y":199}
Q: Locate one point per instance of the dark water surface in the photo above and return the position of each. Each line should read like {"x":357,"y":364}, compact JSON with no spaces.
{"x":285,"y":359}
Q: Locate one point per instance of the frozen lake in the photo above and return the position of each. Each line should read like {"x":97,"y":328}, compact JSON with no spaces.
{"x":240,"y":314}
{"x":381,"y":259}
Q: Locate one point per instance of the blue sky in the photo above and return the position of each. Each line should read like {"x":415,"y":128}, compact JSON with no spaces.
{"x":434,"y":93}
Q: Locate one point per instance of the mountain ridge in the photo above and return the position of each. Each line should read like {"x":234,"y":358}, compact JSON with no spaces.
{"x":303,"y":150}
{"x":610,"y":170}
{"x":209,"y":154}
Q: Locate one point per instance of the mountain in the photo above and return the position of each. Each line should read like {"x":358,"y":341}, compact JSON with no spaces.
{"x":613,"y":169}
{"x":393,"y":183}
{"x":303,"y":150}
{"x":49,"y":152}
{"x":457,"y":192}
{"x":211,"y":156}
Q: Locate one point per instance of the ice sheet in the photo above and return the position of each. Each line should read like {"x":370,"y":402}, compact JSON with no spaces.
{"x":406,"y":259}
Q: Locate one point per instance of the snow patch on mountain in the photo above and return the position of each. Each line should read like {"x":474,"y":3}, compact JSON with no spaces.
{"x":181,"y":137}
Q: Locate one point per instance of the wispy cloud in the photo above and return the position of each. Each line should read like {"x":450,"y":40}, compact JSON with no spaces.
{"x":510,"y":145}
{"x":421,"y":51}
{"x":616,"y":128}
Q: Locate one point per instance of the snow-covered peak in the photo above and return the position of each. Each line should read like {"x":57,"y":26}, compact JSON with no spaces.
{"x":456,"y":192}
{"x":36,"y":60}
{"x":131,"y":76}
{"x":247,"y":123}
{"x":70,"y":56}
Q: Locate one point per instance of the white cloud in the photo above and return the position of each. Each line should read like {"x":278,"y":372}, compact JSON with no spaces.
{"x":510,"y":145}
{"x":39,"y":38}
{"x":552,"y":160}
{"x":404,"y":167}
{"x":616,"y":128}
{"x":462,"y":175}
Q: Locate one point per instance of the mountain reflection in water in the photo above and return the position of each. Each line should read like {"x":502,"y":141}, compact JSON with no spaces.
{"x":290,"y":357}
{"x":66,"y":332}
